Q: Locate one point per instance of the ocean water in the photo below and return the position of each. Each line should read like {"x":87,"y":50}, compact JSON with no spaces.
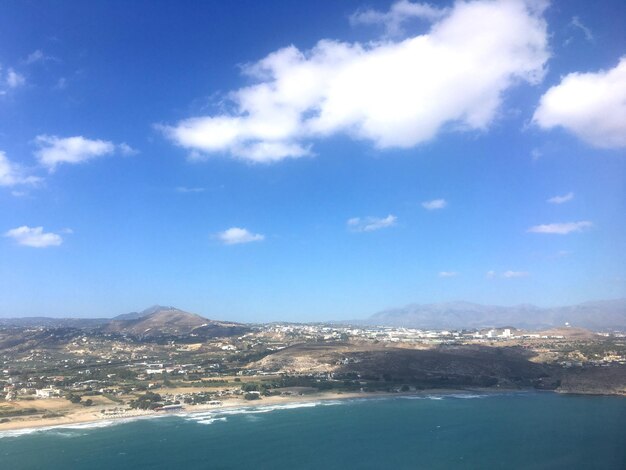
{"x":507,"y":431}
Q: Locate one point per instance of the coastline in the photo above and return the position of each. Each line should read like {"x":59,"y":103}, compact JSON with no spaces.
{"x":94,"y":416}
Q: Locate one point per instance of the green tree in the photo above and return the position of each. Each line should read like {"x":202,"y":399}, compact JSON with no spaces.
{"x":74,"y":398}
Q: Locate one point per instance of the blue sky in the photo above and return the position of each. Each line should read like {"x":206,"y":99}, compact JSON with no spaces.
{"x":284,"y":160}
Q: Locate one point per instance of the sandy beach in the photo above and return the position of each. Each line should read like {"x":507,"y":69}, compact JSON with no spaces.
{"x":76,"y":415}
{"x":79,"y":415}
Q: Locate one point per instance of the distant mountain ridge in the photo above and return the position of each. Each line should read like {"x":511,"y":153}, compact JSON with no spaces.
{"x":596,"y":315}
{"x":158,"y":320}
{"x":155,"y":321}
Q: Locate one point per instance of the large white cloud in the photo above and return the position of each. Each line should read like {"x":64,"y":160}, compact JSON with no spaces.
{"x":392,"y":93}
{"x":592,"y":106}
{"x":55,"y":150}
{"x":34,"y":237}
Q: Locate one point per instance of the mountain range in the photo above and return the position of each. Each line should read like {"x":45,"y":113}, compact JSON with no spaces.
{"x":170,"y":321}
{"x":597,"y":316}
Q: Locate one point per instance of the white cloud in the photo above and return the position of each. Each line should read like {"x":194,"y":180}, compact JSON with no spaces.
{"x":507,"y":274}
{"x":369,"y":224}
{"x":236,"y":235}
{"x":561,"y":199}
{"x":514,"y":274}
{"x":592,"y":106}
{"x":561,"y":228}
{"x":392,"y":93}
{"x":14,"y":79}
{"x":448,"y":274}
{"x":55,"y":150}
{"x":126,"y":149}
{"x":536,"y":154}
{"x":34,"y":237}
{"x":576,"y":23}
{"x":185,"y":189}
{"x":61,"y":83}
{"x":399,"y":13}
{"x":434,"y":204}
{"x":11,"y":174}
{"x":38,"y":56}
{"x":35,"y":56}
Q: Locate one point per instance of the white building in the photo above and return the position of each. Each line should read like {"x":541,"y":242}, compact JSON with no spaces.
{"x":48,"y":392}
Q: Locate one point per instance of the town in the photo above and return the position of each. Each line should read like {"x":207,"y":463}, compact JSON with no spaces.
{"x":49,"y":373}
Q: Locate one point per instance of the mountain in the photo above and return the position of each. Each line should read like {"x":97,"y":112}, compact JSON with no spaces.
{"x":160,"y":321}
{"x":598,"y":315}
{"x":156,"y":322}
{"x":143,"y":313}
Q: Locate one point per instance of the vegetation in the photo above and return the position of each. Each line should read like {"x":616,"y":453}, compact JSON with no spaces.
{"x":148,"y":401}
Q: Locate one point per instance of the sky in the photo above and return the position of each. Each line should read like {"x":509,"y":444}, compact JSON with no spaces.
{"x":307,"y":161}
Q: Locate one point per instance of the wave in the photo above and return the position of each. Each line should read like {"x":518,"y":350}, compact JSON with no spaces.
{"x":209,"y":417}
{"x":211,"y":420}
{"x":221,"y":414}
{"x":61,"y":429}
{"x":444,"y":396}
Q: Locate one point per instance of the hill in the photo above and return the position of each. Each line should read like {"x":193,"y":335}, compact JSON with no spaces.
{"x":160,"y":321}
{"x":154,"y":323}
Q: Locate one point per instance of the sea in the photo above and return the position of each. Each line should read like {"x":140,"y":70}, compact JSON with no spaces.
{"x":527,"y":430}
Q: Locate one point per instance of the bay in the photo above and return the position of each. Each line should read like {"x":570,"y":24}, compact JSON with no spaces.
{"x":508,"y":431}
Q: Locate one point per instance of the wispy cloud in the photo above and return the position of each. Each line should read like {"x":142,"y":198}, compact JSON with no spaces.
{"x":34,"y":237}
{"x":369,"y":224}
{"x":399,"y":13}
{"x":434,"y":204}
{"x":185,"y":190}
{"x":395,"y":94}
{"x":561,"y":199}
{"x":14,"y":79}
{"x":35,"y":56}
{"x":591,"y":106}
{"x":536,"y":154}
{"x":236,"y":235}
{"x":576,"y":23}
{"x":514,"y":274}
{"x":54,"y":150}
{"x":506,"y":274}
{"x":448,"y":274}
{"x":561,"y":228}
{"x":126,"y":149}
{"x":12,"y":175}
{"x":38,"y":56}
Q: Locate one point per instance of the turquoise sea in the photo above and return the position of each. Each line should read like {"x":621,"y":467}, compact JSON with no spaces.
{"x":508,"y":431}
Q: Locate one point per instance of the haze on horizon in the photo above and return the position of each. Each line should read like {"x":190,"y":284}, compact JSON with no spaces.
{"x":310,"y":161}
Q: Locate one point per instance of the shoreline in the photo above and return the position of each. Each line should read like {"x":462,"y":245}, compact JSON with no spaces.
{"x":91,"y":418}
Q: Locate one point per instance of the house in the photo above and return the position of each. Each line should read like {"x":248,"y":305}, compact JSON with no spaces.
{"x":48,"y":392}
